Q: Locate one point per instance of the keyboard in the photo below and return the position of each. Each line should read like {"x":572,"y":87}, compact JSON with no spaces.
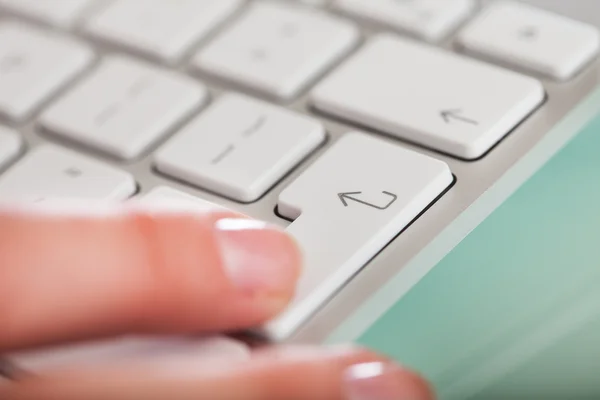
{"x":354,"y":124}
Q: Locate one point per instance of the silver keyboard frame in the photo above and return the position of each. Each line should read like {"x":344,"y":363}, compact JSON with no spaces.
{"x":473,"y":178}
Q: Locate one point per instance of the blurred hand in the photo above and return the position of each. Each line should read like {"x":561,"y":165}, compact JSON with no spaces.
{"x":67,"y":276}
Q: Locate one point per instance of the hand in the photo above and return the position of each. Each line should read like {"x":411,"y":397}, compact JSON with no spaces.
{"x":67,"y":276}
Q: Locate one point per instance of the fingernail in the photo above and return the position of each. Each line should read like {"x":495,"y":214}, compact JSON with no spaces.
{"x":382,"y":381}
{"x":257,"y":256}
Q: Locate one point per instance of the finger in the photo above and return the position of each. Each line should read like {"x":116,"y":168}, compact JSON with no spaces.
{"x":67,"y":276}
{"x":291,"y":374}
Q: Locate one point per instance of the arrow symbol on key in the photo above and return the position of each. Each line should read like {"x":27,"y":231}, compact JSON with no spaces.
{"x":346,"y":196}
{"x":450,"y":115}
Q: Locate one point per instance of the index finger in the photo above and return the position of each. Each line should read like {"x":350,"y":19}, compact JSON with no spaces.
{"x":66,"y":277}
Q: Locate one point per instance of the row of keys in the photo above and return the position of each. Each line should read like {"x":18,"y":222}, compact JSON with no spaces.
{"x":110,"y":122}
{"x":161,"y":29}
{"x":442,"y":100}
{"x":240,"y":158}
{"x":516,"y":33}
{"x":508,"y":32}
{"x":279,"y":50}
{"x":275,"y":48}
{"x":175,"y":26}
{"x":429,"y":96}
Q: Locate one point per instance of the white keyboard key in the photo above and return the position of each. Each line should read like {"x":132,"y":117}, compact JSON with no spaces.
{"x":165,"y":352}
{"x":164,"y":195}
{"x":430,"y":20}
{"x":10,"y":145}
{"x":316,"y":3}
{"x":240,"y":147}
{"x":49,"y":173}
{"x":277,"y":48}
{"x":159,"y":28}
{"x":429,"y":96}
{"x":533,"y":39}
{"x":347,"y":206}
{"x":124,"y":107}
{"x":34,"y":64}
{"x":64,"y":13}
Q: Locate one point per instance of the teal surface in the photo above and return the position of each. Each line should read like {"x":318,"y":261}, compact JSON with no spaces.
{"x":513,"y":311}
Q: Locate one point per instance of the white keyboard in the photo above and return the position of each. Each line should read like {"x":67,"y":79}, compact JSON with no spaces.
{"x":231,"y":101}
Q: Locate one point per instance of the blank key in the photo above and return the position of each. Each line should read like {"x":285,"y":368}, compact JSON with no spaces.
{"x":277,"y":48}
{"x":124,"y":107}
{"x":64,"y":13}
{"x":34,"y":64}
{"x":532,"y":39}
{"x":431,"y":20}
{"x":240,"y":147}
{"x":164,"y":29}
{"x":50,"y":173}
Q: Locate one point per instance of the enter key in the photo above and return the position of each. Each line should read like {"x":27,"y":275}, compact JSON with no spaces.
{"x":346,"y":207}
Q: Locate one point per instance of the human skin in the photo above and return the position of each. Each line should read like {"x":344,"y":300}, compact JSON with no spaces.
{"x":84,"y":273}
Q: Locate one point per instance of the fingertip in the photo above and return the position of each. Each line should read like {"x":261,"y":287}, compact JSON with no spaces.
{"x":370,"y":375}
{"x":258,"y":257}
{"x":244,"y":271}
{"x":349,"y":371}
{"x":383,"y":380}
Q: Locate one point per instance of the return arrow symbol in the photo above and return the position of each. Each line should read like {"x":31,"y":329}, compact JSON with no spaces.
{"x":344,"y":197}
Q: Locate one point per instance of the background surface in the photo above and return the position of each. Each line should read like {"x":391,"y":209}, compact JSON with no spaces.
{"x":514,"y":310}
